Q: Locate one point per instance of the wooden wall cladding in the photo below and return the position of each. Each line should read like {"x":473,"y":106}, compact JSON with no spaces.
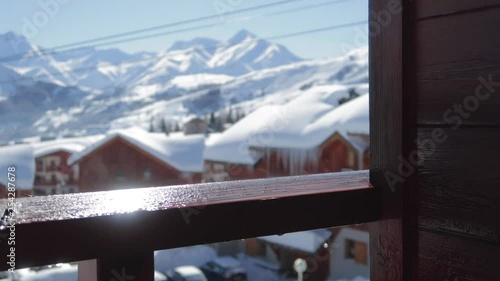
{"x":451,"y":258}
{"x":451,"y":53}
{"x":432,"y":8}
{"x":460,"y":182}
{"x":458,"y":179}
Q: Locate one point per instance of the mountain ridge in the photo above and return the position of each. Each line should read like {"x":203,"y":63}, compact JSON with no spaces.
{"x":133,"y":89}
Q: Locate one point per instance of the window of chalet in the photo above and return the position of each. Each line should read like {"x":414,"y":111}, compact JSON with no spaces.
{"x":119,"y":174}
{"x":357,"y":251}
{"x":147,"y":175}
{"x":351,"y":160}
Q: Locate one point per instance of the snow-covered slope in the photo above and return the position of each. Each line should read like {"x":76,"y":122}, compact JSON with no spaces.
{"x":245,"y":52}
{"x":76,"y":92}
{"x":86,"y":67}
{"x":241,"y":54}
{"x":248,"y":92}
{"x":98,"y":69}
{"x":30,"y":60}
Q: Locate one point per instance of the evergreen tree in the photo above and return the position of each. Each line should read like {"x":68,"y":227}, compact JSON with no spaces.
{"x":212,"y":121}
{"x":151,"y":126}
{"x":230,"y":116}
{"x":163,"y":127}
{"x":219,"y":124}
{"x":352,"y":95}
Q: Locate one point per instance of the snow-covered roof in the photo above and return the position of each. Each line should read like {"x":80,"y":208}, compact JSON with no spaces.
{"x":303,"y":123}
{"x":188,"y":270}
{"x":227,"y":262}
{"x":70,"y":145}
{"x":22,"y":158}
{"x":194,"y":255}
{"x":232,"y":145}
{"x":360,"y":142}
{"x":351,"y":117}
{"x":305,"y":241}
{"x":184,"y":153}
{"x":66,"y":273}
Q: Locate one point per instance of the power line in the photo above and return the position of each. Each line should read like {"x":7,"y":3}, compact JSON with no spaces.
{"x":168,"y":25}
{"x":68,"y":73}
{"x":53,"y":51}
{"x":166,"y":54}
{"x":212,"y":24}
{"x":308,"y":7}
{"x":193,"y":20}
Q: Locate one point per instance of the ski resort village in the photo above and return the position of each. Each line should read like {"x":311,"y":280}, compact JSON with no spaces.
{"x":102,"y":119}
{"x":232,"y":140}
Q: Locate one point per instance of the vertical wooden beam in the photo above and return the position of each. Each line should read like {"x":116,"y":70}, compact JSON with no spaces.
{"x":390,"y":135}
{"x":87,"y":270}
{"x":133,"y":267}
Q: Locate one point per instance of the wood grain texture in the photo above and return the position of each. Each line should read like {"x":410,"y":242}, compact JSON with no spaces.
{"x":459,"y":182}
{"x":451,"y":54}
{"x":386,"y":142}
{"x":91,"y":225}
{"x":432,"y":8}
{"x":450,"y":258}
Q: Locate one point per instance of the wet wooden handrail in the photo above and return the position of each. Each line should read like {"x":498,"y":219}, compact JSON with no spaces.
{"x":135,"y":222}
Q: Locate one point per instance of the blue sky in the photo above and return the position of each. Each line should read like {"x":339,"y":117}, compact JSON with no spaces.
{"x":68,"y":21}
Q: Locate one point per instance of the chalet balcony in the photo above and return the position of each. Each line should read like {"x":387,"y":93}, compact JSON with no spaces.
{"x":53,"y":182}
{"x":39,"y":168}
{"x":53,"y":168}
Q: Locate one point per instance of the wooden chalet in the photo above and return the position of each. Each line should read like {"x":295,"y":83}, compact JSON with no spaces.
{"x":53,"y":174}
{"x":136,"y":158}
{"x":312,"y":246}
{"x":339,"y":153}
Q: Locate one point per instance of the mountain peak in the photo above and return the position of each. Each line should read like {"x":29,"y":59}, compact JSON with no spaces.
{"x":12,"y":44}
{"x":206,"y":43}
{"x":10,"y":35}
{"x":241,"y":36}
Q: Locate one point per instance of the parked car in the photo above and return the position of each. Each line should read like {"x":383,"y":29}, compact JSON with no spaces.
{"x":186,"y":273}
{"x":64,"y":272}
{"x":160,"y":276}
{"x":223,"y":269}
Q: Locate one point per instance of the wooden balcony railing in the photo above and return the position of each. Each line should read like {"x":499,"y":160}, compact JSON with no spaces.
{"x":122,"y":229}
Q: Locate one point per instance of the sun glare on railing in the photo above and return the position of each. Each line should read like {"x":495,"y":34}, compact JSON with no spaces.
{"x":124,"y":201}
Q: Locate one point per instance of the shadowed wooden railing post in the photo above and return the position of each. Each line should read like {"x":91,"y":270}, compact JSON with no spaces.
{"x":137,"y":267}
{"x":121,"y":229}
{"x":134,"y":267}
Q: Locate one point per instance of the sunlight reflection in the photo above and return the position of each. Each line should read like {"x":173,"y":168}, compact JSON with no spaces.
{"x":125,"y":201}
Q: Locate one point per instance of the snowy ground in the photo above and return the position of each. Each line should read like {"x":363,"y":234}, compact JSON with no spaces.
{"x":257,"y":270}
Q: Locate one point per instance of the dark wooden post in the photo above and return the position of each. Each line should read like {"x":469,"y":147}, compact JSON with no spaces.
{"x":134,"y":267}
{"x":392,"y":239}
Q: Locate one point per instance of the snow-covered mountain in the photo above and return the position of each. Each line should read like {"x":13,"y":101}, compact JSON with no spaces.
{"x":45,"y":92}
{"x":101,"y":69}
